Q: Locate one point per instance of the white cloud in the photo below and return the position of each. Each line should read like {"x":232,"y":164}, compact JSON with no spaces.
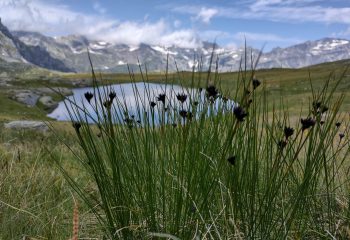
{"x":276,"y":10}
{"x":214,"y":35}
{"x":182,"y":38}
{"x":50,"y":19}
{"x":58,"y":19}
{"x":206,"y":14}
{"x":152,"y":33}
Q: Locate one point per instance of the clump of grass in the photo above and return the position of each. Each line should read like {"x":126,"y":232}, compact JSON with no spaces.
{"x":208,"y":170}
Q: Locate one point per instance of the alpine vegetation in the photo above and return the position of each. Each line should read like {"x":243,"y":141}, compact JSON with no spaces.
{"x":209,"y":169}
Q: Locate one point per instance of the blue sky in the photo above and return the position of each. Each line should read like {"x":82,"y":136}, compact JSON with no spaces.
{"x":269,"y":23}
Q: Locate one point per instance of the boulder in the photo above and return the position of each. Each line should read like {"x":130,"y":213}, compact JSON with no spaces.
{"x":3,"y":83}
{"x":26,"y":97}
{"x":27,"y":125}
{"x":48,"y":103}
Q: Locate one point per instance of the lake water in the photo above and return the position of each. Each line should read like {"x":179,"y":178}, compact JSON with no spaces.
{"x":133,"y":103}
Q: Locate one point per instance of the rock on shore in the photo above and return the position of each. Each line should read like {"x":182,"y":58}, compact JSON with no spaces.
{"x":27,"y":125}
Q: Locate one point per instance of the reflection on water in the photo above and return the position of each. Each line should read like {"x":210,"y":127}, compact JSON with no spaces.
{"x":134,"y":101}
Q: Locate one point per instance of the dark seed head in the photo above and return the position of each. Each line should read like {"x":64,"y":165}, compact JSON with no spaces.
{"x":239,"y":113}
{"x":316,"y":105}
{"x":112,"y":95}
{"x":88,"y":96}
{"x":183,"y":113}
{"x":153,"y":104}
{"x":195,"y":103}
{"x":107,"y":104}
{"x":341,"y":136}
{"x":189,"y":115}
{"x":212,"y":91}
{"x":138,"y":121}
{"x":282,"y":144}
{"x":337,"y":124}
{"x":232,"y":160}
{"x":181,"y":97}
{"x":128,"y":120}
{"x":307,"y":123}
{"x":288,"y":131}
{"x":256,"y":83}
{"x":321,"y":122}
{"x":76,"y":126}
{"x":161,"y":98}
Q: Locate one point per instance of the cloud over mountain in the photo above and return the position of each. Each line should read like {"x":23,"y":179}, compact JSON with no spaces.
{"x":57,"y":19}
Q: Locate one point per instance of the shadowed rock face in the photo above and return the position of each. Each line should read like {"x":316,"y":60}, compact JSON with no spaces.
{"x":13,"y":49}
{"x":27,"y":125}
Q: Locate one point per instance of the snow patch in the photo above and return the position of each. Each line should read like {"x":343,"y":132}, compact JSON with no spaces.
{"x":131,"y":49}
{"x":120,"y":62}
{"x":220,"y":50}
{"x":205,"y":51}
{"x":328,"y":46}
{"x":163,"y":50}
{"x":97,"y":46}
{"x":192,"y":64}
{"x":76,"y":51}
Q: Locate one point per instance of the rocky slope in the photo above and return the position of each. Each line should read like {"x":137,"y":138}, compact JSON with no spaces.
{"x":69,"y":53}
{"x":12,"y":49}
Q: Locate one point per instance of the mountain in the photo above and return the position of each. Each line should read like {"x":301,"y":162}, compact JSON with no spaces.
{"x":13,"y":49}
{"x":69,"y":54}
{"x":110,"y":57}
{"x":306,"y":54}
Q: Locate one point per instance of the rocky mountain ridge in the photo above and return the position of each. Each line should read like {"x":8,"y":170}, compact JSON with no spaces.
{"x":12,"y":49}
{"x":69,"y":54}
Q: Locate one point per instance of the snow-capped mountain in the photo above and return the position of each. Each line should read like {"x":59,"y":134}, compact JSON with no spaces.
{"x":308,"y":53}
{"x":69,"y":53}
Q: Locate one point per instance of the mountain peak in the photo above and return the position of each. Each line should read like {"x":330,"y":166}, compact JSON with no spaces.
{"x":68,"y":53}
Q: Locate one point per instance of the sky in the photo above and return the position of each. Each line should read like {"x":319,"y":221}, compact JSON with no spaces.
{"x":186,"y":23}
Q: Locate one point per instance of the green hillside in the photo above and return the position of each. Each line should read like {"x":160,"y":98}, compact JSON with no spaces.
{"x":294,"y":85}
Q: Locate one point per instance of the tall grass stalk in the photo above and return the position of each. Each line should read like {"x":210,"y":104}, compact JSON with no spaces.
{"x":218,"y":174}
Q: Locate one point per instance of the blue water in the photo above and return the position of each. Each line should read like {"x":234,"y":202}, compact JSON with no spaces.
{"x":132,"y":104}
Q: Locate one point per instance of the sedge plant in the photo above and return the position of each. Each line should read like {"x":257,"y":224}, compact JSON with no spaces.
{"x":192,"y":165}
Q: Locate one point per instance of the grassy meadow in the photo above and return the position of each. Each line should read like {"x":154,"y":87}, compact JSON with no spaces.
{"x":253,"y":172}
